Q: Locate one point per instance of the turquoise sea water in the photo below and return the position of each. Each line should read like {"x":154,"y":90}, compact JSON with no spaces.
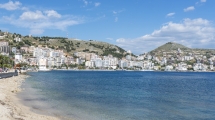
{"x":121,"y":95}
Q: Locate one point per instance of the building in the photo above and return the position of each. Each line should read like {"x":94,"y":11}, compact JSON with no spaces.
{"x":2,"y":37}
{"x":90,"y":64}
{"x":169,"y":68}
{"x":13,"y":50}
{"x":31,"y":49}
{"x":5,"y":49}
{"x":25,"y":49}
{"x":123,"y":64}
{"x":4,"y":43}
{"x":18,"y":58}
{"x":128,"y":57}
{"x":17,"y":39}
{"x":98,"y":62}
{"x":42,"y":63}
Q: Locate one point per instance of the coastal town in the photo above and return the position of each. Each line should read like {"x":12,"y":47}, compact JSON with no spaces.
{"x":44,"y":58}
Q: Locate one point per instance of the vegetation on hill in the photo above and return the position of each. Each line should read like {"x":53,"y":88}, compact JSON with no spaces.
{"x":69,"y":46}
{"x":172,"y":47}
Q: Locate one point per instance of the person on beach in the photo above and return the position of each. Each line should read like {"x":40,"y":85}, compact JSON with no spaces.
{"x":16,"y":72}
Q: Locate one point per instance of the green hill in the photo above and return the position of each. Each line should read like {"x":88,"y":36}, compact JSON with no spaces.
{"x":69,"y":46}
{"x":170,"y":46}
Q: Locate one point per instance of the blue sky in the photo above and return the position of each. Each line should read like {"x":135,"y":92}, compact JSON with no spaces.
{"x":136,"y":25}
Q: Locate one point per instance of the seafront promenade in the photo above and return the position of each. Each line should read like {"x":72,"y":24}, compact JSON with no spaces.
{"x":7,"y":75}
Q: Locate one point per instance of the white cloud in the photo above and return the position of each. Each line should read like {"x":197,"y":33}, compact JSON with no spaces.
{"x":39,"y":15}
{"x":195,"y":33}
{"x":29,"y":15}
{"x":115,"y":13}
{"x":11,"y":5}
{"x":85,"y":2}
{"x":97,"y":4}
{"x":121,"y":40}
{"x":203,"y":0}
{"x":52,"y":13}
{"x":189,"y":9}
{"x":170,"y":14}
{"x":37,"y":22}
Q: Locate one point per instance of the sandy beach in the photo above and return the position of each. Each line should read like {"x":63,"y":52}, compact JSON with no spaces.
{"x":10,"y":106}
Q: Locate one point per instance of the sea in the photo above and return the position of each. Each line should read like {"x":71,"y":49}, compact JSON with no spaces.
{"x":121,"y":95}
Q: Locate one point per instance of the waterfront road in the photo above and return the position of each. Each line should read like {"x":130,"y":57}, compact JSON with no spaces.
{"x":7,"y":75}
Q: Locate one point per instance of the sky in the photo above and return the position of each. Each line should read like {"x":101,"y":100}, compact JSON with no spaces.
{"x":136,"y":25}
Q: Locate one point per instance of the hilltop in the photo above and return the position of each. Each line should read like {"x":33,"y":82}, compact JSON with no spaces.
{"x":172,"y":47}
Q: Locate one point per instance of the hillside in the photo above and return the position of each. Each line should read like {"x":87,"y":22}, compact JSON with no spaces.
{"x":172,"y":47}
{"x":69,"y":46}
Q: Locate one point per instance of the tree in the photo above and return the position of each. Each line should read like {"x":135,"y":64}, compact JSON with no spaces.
{"x":27,"y":42}
{"x":52,"y":47}
{"x":21,"y":44}
{"x":5,"y":61}
{"x":73,"y":65}
{"x":18,"y":47}
{"x":64,"y":65}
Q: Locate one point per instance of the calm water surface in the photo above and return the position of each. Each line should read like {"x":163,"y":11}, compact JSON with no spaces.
{"x":115,"y":95}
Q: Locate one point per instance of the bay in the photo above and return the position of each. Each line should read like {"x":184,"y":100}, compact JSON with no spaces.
{"x":121,"y":95}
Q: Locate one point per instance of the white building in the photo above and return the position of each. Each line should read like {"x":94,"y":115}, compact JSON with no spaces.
{"x":105,"y":63}
{"x":2,"y":37}
{"x":199,"y":67}
{"x":90,"y":64}
{"x":211,"y":65}
{"x":4,"y":43}
{"x":98,"y":62}
{"x":128,"y":57}
{"x":123,"y":64}
{"x":42,"y":63}
{"x":140,"y":57}
{"x":148,"y":65}
{"x":18,"y":58}
{"x":169,"y":68}
{"x":182,"y":67}
{"x":17,"y":39}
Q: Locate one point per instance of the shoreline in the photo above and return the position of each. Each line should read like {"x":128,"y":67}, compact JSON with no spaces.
{"x":10,"y":106}
{"x":123,"y":70}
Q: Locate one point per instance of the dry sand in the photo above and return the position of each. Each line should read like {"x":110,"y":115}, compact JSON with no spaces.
{"x":10,"y":107}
